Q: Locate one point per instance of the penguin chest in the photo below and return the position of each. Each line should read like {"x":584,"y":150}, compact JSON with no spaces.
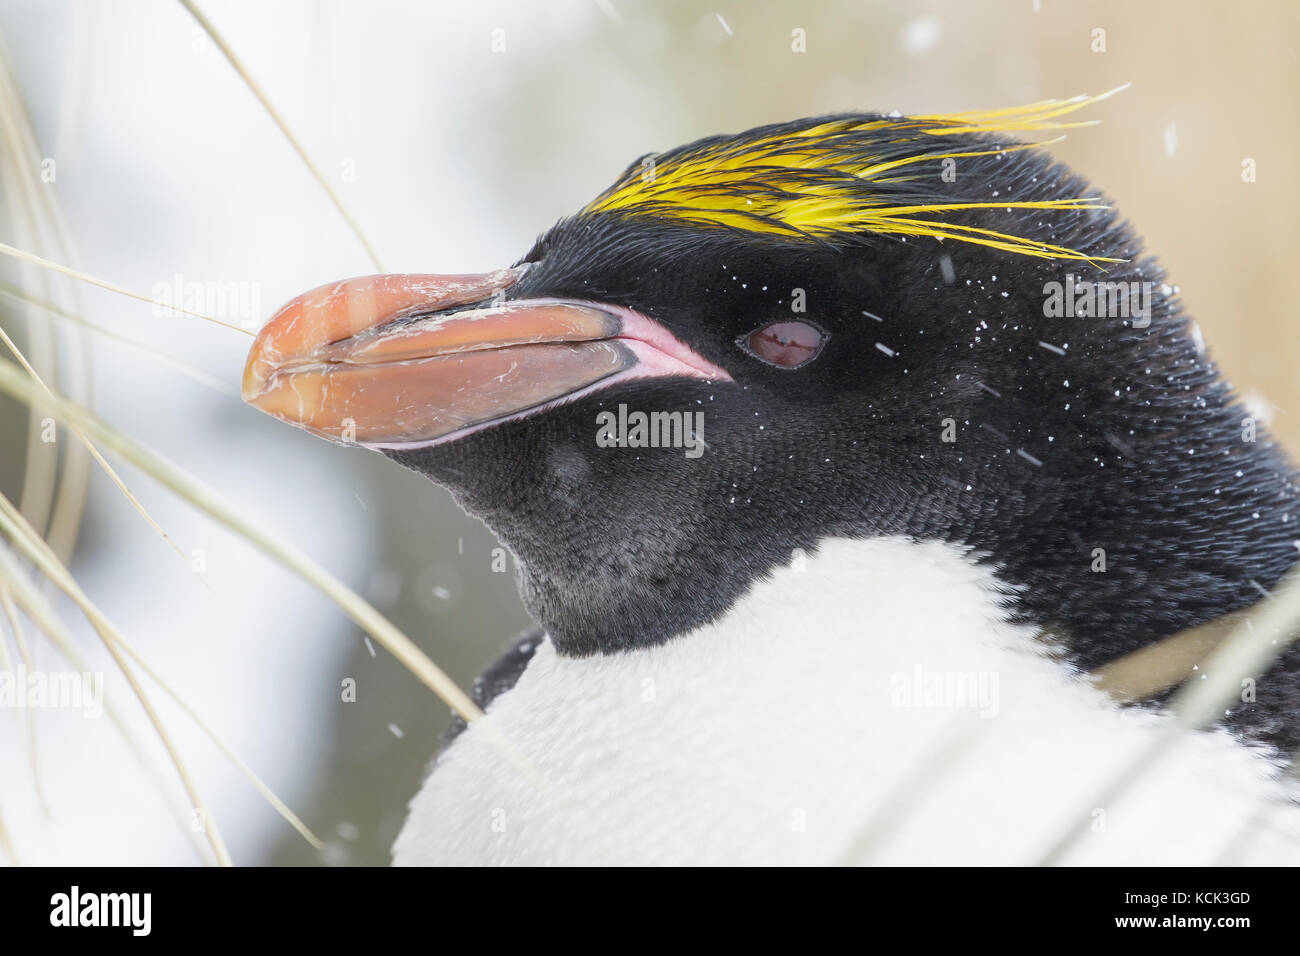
{"x":868,"y":703}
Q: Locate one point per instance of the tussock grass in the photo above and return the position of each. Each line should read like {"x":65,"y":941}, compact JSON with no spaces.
{"x":37,"y":609}
{"x":90,"y":447}
{"x":31,"y":545}
{"x":228,"y":52}
{"x":71,"y":273}
{"x":52,"y":500}
{"x":155,"y":355}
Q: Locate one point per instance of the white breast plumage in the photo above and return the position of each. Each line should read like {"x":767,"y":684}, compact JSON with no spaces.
{"x":868,"y":703}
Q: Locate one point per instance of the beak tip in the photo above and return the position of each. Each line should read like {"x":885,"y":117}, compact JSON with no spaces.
{"x":257,"y":371}
{"x":304,"y":330}
{"x":250,"y":386}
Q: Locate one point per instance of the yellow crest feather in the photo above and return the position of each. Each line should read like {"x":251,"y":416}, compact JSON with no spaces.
{"x":842,"y":175}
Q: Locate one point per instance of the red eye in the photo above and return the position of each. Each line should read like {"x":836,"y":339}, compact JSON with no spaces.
{"x":786,"y":344}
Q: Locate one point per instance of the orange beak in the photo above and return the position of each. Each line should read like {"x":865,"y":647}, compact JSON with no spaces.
{"x":404,"y":360}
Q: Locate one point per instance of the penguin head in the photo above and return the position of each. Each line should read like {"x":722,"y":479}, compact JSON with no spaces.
{"x":859,"y":325}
